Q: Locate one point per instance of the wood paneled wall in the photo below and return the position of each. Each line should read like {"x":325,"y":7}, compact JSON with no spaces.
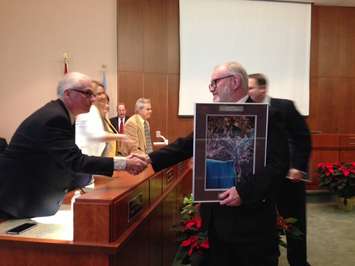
{"x":332,"y":83}
{"x":148,"y":65}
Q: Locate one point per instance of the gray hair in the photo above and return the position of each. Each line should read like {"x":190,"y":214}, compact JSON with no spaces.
{"x":236,"y":69}
{"x":140,"y":103}
{"x":70,"y":81}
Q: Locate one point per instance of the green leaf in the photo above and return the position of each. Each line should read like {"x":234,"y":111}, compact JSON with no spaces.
{"x":291,"y":220}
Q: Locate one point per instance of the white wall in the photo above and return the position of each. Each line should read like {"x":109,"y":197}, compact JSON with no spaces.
{"x":34,"y":34}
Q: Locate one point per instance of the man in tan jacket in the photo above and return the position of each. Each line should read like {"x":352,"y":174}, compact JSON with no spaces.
{"x":137,"y":129}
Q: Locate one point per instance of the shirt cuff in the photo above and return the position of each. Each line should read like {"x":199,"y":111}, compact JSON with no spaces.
{"x":119,"y":163}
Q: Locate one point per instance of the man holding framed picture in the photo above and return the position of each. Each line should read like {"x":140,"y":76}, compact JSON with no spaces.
{"x":241,"y":227}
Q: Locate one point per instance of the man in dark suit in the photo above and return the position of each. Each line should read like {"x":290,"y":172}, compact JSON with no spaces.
{"x":292,"y":199}
{"x":121,"y":118}
{"x":241,"y":228}
{"x":42,"y":161}
{"x":3,"y":144}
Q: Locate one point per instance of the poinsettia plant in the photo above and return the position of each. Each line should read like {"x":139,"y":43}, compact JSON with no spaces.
{"x":338,"y":178}
{"x":287,"y":225}
{"x":191,"y":238}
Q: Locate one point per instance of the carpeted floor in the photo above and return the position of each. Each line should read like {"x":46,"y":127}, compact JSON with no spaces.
{"x":331,"y":234}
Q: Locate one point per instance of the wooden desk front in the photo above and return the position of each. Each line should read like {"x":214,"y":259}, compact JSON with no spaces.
{"x":126,"y":220}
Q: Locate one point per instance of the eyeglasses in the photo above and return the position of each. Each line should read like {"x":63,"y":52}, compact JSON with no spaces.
{"x":214,"y":82}
{"x":87,"y":93}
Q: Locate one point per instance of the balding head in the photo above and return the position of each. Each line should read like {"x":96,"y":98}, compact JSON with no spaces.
{"x":70,"y":81}
{"x":229,"y":82}
{"x":75,"y":90}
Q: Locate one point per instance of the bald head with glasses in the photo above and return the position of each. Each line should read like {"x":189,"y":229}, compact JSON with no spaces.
{"x":229,"y":82}
{"x":76,"y":92}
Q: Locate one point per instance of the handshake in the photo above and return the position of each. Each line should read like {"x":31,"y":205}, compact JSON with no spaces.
{"x":136,"y":163}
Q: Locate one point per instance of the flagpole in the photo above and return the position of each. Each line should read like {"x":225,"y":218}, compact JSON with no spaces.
{"x":104,"y":79}
{"x":66,"y":62}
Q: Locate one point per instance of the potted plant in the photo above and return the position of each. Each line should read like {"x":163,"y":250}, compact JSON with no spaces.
{"x":287,"y":226}
{"x":339,"y":178}
{"x":193,"y":241}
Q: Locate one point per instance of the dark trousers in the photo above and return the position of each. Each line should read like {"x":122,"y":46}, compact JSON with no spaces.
{"x":257,"y":254}
{"x":80,"y":180}
{"x":292,"y":203}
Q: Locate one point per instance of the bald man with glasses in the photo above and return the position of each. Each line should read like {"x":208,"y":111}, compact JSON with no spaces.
{"x":242,"y":226}
{"x":42,"y":162}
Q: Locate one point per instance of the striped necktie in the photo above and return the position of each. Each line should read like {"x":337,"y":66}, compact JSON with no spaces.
{"x":148,"y":140}
{"x":120,"y":130}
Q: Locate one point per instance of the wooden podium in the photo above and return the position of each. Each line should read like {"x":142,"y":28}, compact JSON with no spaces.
{"x":124,"y":220}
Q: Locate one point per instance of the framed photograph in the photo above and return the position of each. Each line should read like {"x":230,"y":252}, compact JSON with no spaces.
{"x":229,"y":143}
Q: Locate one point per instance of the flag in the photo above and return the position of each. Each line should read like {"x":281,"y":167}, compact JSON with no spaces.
{"x":104,"y":79}
{"x":65,"y":68}
{"x":66,"y":63}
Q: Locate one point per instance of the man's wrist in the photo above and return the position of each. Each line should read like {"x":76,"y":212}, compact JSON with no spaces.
{"x":119,"y":163}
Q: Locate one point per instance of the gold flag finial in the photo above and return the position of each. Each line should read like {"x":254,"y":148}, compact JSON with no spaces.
{"x":66,"y":57}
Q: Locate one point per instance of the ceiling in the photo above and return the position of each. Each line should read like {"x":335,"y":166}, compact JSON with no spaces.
{"x":324,"y":2}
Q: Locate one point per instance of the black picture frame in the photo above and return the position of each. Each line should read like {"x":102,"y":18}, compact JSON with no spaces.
{"x":230,"y":140}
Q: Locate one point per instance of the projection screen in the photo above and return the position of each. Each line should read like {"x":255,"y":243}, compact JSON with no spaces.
{"x":272,"y":38}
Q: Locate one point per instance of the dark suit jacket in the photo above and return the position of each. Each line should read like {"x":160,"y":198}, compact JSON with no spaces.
{"x":291,"y":200}
{"x":298,"y":133}
{"x":114,"y":121}
{"x":254,"y":221}
{"x":3,"y":144}
{"x":41,"y":161}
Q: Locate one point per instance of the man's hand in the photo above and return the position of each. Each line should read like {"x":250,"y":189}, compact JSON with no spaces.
{"x":134,"y":165}
{"x":141,"y":156}
{"x":295,"y":175}
{"x":230,"y":197}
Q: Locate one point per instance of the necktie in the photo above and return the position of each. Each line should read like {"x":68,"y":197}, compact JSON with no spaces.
{"x":120,"y":130}
{"x":148,"y":140}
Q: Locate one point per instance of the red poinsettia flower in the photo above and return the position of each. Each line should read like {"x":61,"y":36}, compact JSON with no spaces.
{"x":190,"y":241}
{"x":195,"y":244}
{"x":282,"y":224}
{"x":205,"y":244}
{"x":195,"y":223}
{"x":320,"y":165}
{"x":329,"y":168}
{"x":345,"y":171}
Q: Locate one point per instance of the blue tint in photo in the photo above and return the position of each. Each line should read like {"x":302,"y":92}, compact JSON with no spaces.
{"x":220,"y":174}
{"x":229,"y":149}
